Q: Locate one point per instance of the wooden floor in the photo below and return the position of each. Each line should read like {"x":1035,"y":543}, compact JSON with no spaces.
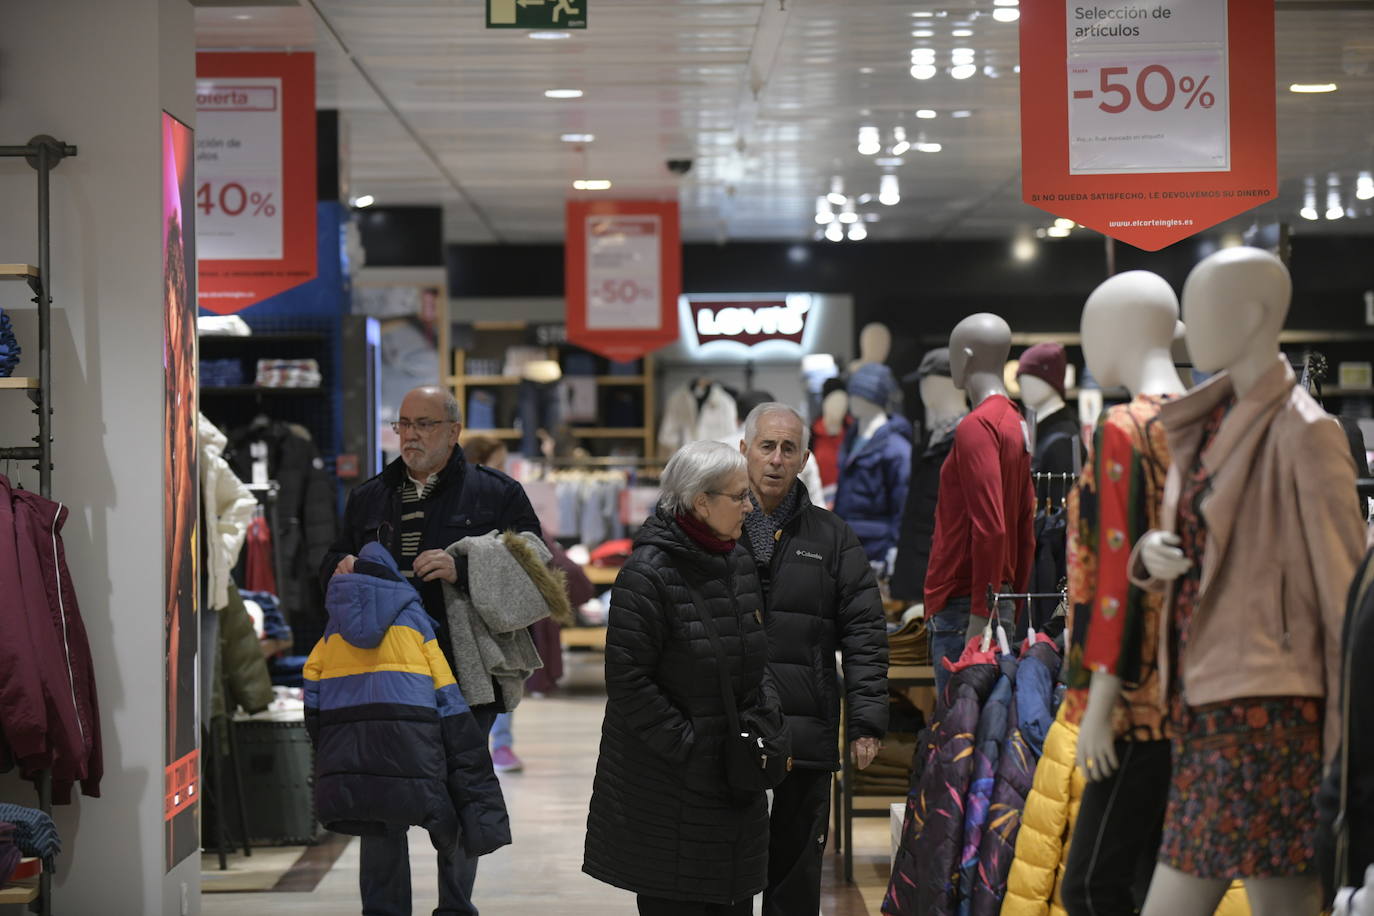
{"x":557,"y":738}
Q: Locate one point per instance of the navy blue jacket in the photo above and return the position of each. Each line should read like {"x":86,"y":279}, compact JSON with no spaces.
{"x":469,"y":501}
{"x":395,"y":742}
{"x":873,"y":482}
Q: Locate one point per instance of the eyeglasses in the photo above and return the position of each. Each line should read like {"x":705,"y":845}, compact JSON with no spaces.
{"x":425,"y":427}
{"x":739,"y":499}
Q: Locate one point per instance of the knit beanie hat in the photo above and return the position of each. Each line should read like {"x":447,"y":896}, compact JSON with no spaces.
{"x":1047,"y":362}
{"x":872,"y":382}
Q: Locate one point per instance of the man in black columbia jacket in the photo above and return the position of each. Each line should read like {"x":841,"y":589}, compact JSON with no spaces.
{"x":820,"y":596}
{"x":419,"y":505}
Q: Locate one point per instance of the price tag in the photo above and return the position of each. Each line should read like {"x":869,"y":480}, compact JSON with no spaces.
{"x":623,"y":271}
{"x":239,"y":164}
{"x":1148,"y":89}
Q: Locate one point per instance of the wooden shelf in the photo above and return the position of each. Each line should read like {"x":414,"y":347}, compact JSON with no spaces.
{"x":592,"y":432}
{"x":17,"y":894}
{"x":18,"y":272}
{"x":602,"y":575}
{"x":627,"y":380}
{"x":268,"y":337}
{"x":1334,"y":392}
{"x":911,"y":674}
{"x":867,"y":805}
{"x":257,"y":389}
{"x":584,"y":638}
{"x":486,"y":379}
{"x":494,"y":433}
{"x":19,"y":382}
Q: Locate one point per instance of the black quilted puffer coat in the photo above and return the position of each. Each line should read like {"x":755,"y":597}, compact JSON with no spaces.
{"x":662,"y":820}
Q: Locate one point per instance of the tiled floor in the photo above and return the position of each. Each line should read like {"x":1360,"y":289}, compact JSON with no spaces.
{"x":557,"y":738}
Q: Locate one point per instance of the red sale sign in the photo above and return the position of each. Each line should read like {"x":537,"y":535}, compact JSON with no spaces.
{"x":623,"y":270}
{"x":1147,"y":121}
{"x":255,"y":176}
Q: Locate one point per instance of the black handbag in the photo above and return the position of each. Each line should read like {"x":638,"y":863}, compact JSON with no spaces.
{"x":758,"y":749}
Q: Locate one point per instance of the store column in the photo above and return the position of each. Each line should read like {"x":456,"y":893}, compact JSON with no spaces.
{"x":99,"y":76}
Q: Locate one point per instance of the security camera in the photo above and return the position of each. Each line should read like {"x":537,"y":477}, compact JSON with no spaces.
{"x":679,"y":167}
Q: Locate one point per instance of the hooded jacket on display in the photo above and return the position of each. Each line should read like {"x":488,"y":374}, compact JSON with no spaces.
{"x":873,"y":482}
{"x":228,"y":508}
{"x":395,"y":742}
{"x":662,"y":821}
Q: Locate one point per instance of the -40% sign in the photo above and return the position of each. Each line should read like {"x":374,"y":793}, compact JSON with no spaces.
{"x":234,"y":200}
{"x":1158,"y":95}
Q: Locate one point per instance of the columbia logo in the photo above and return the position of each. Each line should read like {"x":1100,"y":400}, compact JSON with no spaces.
{"x":809,"y":555}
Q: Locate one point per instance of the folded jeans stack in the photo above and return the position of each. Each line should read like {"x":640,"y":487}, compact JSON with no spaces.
{"x":910,"y":645}
{"x":221,"y":373}
{"x":289,"y":373}
{"x":9,"y":347}
{"x":890,"y":771}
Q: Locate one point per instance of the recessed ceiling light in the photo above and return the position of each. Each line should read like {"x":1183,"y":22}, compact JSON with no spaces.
{"x":922,"y":33}
{"x":928,"y":147}
{"x":562,"y":93}
{"x":1063,"y":223}
{"x":858,"y":232}
{"x":866,"y":70}
{"x":578,"y":138}
{"x":961,"y":113}
{"x":923,"y":71}
{"x":923,"y":55}
{"x":962,"y":33}
{"x":900,"y":147}
{"x":1006,"y":2}
{"x":1308,"y":212}
{"x":834,"y":232}
{"x":922,"y":14}
{"x":550,"y":36}
{"x":1312,"y":87}
{"x":243,"y":15}
{"x":889,"y":162}
{"x":1057,"y":232}
{"x":962,"y":71}
{"x":366,"y":200}
{"x":1006,"y":14}
{"x":926,"y":113}
{"x":591,"y":184}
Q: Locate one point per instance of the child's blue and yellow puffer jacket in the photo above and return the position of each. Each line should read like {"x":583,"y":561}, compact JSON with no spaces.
{"x":395,"y":742}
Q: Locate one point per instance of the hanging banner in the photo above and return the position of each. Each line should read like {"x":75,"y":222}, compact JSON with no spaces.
{"x":181,"y":499}
{"x":623,"y":275}
{"x":255,"y":173}
{"x":1148,"y":121}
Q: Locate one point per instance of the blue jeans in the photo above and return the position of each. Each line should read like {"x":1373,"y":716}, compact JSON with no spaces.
{"x":948,"y":630}
{"x":384,"y":872}
{"x":538,"y":406}
{"x":500,"y":731}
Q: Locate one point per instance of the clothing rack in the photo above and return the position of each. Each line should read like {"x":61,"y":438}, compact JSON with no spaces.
{"x":747,"y":367}
{"x":1048,"y":479}
{"x":43,"y":153}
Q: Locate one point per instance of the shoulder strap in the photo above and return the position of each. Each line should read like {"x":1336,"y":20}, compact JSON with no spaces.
{"x":727,"y":692}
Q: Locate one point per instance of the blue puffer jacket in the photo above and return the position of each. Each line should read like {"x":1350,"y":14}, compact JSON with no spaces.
{"x":395,"y":742}
{"x":873,"y":482}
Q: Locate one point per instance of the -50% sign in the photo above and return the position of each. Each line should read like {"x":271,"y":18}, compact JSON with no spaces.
{"x":232,"y":199}
{"x":625,"y":292}
{"x":1152,"y":96}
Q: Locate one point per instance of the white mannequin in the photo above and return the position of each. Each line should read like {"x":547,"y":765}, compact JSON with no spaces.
{"x":978,"y":350}
{"x":943,"y":402}
{"x":1128,"y":329}
{"x":1039,"y":396}
{"x":1234,"y":305}
{"x":870,"y":417}
{"x":875,"y":345}
{"x":833,"y":410}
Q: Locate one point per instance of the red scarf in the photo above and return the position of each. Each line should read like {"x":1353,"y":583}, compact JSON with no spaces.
{"x":705,"y":538}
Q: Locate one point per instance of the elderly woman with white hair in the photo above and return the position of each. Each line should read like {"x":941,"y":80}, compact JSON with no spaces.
{"x":663,"y":821}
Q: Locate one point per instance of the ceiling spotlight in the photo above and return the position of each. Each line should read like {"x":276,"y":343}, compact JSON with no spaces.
{"x":366,"y":200}
{"x":962,"y":71}
{"x":1063,"y":223}
{"x":889,"y":162}
{"x":1006,"y":14}
{"x":923,"y":55}
{"x":961,"y":113}
{"x":922,"y":14}
{"x":834,"y":232}
{"x":1364,"y":186}
{"x":243,"y":16}
{"x":926,"y":113}
{"x":1040,"y":232}
{"x":1308,"y":213}
{"x":824,"y":215}
{"x":849,"y":217}
{"x":922,"y":33}
{"x":1334,"y":212}
{"x":1006,"y":2}
{"x":962,"y":33}
{"x":1312,"y":87}
{"x":1057,"y":232}
{"x":928,"y":147}
{"x":836,"y":195}
{"x":562,"y":93}
{"x":889,"y":191}
{"x":870,"y":141}
{"x":858,"y":232}
{"x":923,"y":71}
{"x":959,"y":54}
{"x":578,"y":138}
{"x":866,"y":70}
{"x":898,"y":148}
{"x":550,"y":36}
{"x":591,"y":184}
{"x":1023,"y":248}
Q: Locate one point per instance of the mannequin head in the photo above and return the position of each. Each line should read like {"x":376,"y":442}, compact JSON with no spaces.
{"x":1039,"y":396}
{"x":866,"y":411}
{"x":1128,"y":327}
{"x":978,"y":350}
{"x":1040,"y":374}
{"x":943,"y":402}
{"x":1234,"y":305}
{"x":875,"y":343}
{"x":833,"y":409}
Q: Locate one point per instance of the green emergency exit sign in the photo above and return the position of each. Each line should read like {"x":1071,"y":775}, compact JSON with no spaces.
{"x":537,"y":14}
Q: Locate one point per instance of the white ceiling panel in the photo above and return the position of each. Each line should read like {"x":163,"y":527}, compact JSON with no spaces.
{"x":442,"y":111}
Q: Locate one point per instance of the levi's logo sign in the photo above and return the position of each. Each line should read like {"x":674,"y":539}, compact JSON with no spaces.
{"x":750,"y":321}
{"x":809,"y":555}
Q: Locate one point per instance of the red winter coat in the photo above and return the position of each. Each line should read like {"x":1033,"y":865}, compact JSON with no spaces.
{"x":47,"y":681}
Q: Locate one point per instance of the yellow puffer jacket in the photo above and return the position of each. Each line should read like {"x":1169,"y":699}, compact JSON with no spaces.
{"x":1042,"y":847}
